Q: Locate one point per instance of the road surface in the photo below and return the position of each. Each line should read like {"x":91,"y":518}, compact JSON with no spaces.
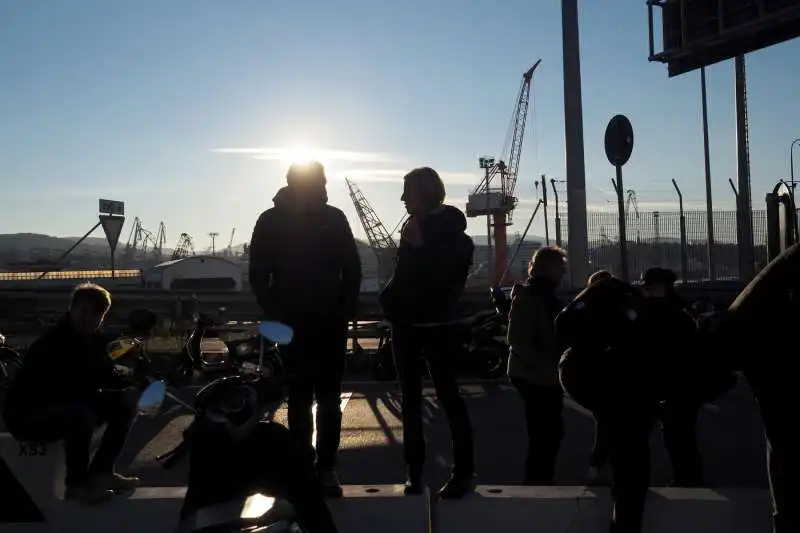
{"x":730,"y":438}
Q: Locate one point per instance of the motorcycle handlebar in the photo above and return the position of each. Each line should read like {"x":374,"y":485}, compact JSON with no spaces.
{"x":169,"y":459}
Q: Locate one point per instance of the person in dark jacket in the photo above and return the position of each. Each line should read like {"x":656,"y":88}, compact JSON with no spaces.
{"x":433,"y":263}
{"x":756,"y":337}
{"x":675,"y":337}
{"x":67,"y":388}
{"x":305,"y":271}
{"x":533,"y":361}
{"x":599,"y":455}
{"x":606,"y":369}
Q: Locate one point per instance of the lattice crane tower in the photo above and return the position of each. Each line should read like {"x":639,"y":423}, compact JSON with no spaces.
{"x":380,"y":241}
{"x":494,"y":195}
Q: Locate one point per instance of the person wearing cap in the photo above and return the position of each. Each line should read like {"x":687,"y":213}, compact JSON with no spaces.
{"x":675,"y":336}
{"x":420,"y":301}
{"x":305,"y":271}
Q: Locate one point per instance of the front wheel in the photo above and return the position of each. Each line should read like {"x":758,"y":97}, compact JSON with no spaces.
{"x":10,"y":363}
{"x":490,"y":361}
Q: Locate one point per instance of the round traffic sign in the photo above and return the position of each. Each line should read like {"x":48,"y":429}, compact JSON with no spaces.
{"x":619,"y":140}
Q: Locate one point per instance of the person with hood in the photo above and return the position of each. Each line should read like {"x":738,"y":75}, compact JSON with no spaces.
{"x":66,"y":389}
{"x":433,"y":262}
{"x":533,"y":361}
{"x":606,"y":369}
{"x":755,"y":337}
{"x":305,"y":271}
{"x":675,"y":338}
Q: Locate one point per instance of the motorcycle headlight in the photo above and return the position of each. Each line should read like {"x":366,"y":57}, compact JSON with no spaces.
{"x":244,"y":348}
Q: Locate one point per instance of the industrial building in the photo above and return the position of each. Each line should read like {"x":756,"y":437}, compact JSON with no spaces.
{"x":196,"y":272}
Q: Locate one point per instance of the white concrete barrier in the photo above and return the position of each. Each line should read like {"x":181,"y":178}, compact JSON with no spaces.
{"x":381,"y":508}
{"x":588,"y":510}
{"x":676,"y":510}
{"x":509,"y":508}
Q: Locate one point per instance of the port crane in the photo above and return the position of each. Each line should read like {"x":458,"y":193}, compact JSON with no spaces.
{"x":494,"y":195}
{"x":632,"y":203}
{"x":184,"y":248}
{"x":140,"y":240}
{"x":380,"y":241}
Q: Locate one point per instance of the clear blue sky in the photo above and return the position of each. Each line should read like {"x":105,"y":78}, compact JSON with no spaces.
{"x":129,"y":100}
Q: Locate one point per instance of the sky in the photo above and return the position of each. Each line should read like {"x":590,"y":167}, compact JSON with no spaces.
{"x":190,"y":111}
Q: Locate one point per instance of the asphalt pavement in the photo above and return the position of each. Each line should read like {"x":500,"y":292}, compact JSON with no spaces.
{"x":371,"y":450}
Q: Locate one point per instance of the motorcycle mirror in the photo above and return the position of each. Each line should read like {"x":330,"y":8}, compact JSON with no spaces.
{"x":276,"y":332}
{"x":152,"y":398}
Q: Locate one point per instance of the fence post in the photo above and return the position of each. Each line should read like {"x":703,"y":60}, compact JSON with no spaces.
{"x":684,"y":269}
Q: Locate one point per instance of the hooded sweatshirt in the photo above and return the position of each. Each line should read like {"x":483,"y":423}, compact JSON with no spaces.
{"x":429,"y":278}
{"x":304,"y":262}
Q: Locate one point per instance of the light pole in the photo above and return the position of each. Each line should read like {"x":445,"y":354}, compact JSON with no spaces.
{"x":795,"y":142}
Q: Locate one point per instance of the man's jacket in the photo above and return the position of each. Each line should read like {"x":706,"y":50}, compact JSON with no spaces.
{"x":533,"y":350}
{"x":62,"y":367}
{"x":304,"y":262}
{"x":429,"y":278}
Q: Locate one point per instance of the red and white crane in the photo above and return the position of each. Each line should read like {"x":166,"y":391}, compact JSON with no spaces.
{"x":494,"y":195}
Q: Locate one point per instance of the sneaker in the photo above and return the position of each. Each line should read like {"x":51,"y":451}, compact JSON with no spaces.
{"x":88,"y":494}
{"x":458,"y":486}
{"x":115,"y":482}
{"x":331,"y":486}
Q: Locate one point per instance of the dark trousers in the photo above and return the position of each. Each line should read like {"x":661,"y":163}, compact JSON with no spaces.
{"x":413,"y":347}
{"x":75,"y":424}
{"x":679,"y":431}
{"x":544,"y":425}
{"x":778,"y":404}
{"x":600,"y":449}
{"x":627,"y":430}
{"x":316,"y":361}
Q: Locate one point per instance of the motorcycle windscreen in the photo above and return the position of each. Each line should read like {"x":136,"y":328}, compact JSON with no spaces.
{"x":255,"y":510}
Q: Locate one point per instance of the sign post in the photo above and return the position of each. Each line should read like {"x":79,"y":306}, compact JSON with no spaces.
{"x":619,"y":147}
{"x":112,"y":218}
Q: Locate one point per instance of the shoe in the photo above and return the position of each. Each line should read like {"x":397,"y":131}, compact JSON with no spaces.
{"x":88,"y":494}
{"x":458,"y":486}
{"x":414,"y":485}
{"x":331,"y":486}
{"x":115,"y":482}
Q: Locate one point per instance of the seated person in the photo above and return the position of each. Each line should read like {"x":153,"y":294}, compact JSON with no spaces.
{"x":66,"y":388}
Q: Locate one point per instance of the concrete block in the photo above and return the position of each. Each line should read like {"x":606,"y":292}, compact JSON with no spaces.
{"x":384,"y":508}
{"x":513,"y":508}
{"x":677,"y":510}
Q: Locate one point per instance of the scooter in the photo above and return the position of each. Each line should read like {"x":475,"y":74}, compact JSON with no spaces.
{"x":10,"y":363}
{"x":259,"y":511}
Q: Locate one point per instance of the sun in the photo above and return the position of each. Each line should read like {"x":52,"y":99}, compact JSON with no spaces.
{"x":302,"y":154}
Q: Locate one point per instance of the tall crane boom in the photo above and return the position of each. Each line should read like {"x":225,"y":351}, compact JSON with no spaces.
{"x":381,"y":243}
{"x":498,"y":202}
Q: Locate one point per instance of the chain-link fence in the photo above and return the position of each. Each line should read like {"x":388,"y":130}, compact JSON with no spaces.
{"x":654,"y":239}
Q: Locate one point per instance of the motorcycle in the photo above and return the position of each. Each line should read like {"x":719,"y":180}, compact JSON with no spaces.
{"x":10,"y":363}
{"x":480,"y":341}
{"x":236,"y":411}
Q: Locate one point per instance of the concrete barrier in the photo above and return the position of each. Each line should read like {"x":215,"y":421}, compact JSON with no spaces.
{"x":384,"y":508}
{"x":509,"y":508}
{"x":588,"y":510}
{"x":676,"y":510}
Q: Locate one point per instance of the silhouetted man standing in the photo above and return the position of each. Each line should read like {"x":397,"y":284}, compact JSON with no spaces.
{"x":306,"y":272}
{"x":433,"y":263}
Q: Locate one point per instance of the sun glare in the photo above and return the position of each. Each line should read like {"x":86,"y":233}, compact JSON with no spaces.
{"x":302,"y":154}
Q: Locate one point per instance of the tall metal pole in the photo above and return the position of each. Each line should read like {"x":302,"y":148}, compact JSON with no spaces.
{"x":795,"y":142}
{"x":712,"y":269}
{"x":745,"y":206}
{"x":544,"y":203}
{"x":577,"y":238}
